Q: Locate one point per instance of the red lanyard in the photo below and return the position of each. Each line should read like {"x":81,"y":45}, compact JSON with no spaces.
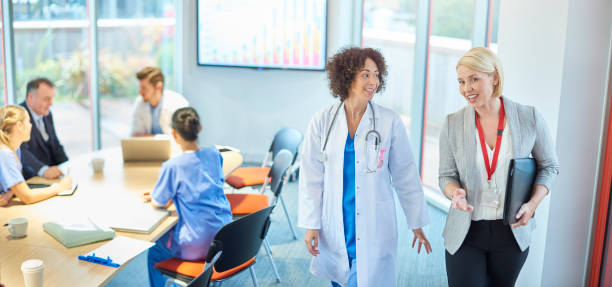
{"x":483,"y":145}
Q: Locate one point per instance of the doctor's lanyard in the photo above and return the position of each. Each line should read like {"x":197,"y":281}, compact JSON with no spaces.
{"x":377,"y":139}
{"x":500,"y":129}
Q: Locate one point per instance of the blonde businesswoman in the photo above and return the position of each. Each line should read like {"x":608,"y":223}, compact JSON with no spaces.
{"x":15,"y":129}
{"x":354,"y":154}
{"x":476,"y":145}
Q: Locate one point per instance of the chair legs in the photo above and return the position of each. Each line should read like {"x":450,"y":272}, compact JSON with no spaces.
{"x":269,"y":252}
{"x":253,"y":276}
{"x":287,"y":215}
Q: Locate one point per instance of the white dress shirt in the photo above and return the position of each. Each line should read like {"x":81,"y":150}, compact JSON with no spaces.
{"x":499,"y":177}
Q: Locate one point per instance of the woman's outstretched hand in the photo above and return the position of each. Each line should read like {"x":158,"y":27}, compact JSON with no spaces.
{"x":459,"y":200}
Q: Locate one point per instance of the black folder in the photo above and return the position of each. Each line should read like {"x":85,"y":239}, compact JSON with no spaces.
{"x":521,"y":177}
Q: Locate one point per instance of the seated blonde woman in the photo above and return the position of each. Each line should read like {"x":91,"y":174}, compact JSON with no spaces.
{"x":15,"y":129}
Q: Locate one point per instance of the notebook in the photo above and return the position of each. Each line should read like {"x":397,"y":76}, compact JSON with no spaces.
{"x":137,"y":218}
{"x":77,"y":231}
{"x":146,"y":149}
{"x":521,"y":177}
{"x":66,"y":192}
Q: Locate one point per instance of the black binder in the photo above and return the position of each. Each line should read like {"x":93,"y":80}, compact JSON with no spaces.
{"x":521,"y":177}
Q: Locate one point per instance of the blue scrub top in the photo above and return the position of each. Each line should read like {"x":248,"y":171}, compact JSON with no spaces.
{"x":155,"y":114}
{"x":194,"y":181}
{"x":10,"y":169}
{"x":348,"y":197}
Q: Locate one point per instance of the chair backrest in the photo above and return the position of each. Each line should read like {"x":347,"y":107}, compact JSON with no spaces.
{"x":241,"y":239}
{"x":281,"y":164}
{"x":286,"y":138}
{"x":203,"y":280}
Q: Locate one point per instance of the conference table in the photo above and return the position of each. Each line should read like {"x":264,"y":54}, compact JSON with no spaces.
{"x":107,"y":191}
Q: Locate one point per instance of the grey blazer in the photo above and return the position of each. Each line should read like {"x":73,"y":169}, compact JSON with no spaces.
{"x":530,"y":136}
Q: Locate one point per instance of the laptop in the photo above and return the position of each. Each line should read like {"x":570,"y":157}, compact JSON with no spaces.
{"x":145,"y":149}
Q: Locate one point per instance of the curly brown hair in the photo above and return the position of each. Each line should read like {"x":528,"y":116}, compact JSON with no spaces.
{"x":345,"y":65}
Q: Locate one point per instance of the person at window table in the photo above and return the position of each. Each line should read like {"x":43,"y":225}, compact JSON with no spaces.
{"x":476,"y":146}
{"x":15,"y":129}
{"x":355,"y":156}
{"x":44,"y":152}
{"x":153,"y":111}
{"x":194,"y":182}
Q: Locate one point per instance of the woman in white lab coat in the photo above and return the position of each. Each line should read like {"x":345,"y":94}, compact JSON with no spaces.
{"x":354,"y":155}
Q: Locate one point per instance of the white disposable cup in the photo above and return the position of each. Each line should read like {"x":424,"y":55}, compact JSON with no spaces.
{"x":33,"y":272}
{"x":18,"y":226}
{"x":97,"y":164}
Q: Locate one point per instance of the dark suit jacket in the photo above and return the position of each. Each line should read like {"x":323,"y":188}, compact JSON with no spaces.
{"x":37,"y":153}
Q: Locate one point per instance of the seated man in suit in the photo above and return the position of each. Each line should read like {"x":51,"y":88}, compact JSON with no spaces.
{"x":153,"y":110}
{"x":41,"y":155}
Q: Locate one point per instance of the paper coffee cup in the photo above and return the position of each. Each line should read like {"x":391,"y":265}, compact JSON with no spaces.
{"x":18,"y":226}
{"x":97,"y":164}
{"x":33,"y":272}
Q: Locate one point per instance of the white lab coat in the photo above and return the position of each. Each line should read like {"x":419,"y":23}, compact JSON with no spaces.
{"x":320,"y":196}
{"x":141,"y":114}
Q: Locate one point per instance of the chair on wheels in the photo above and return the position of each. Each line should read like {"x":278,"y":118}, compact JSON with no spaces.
{"x":240,"y":240}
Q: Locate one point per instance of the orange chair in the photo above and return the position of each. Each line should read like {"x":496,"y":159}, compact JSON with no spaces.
{"x":286,"y":138}
{"x":240,"y":240}
{"x":243,"y":204}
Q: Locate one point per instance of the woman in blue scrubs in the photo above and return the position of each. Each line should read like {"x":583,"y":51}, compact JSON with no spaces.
{"x":15,"y":129}
{"x":194,"y":182}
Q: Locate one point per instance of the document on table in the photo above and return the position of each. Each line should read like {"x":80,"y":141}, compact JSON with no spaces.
{"x":121,"y":249}
{"x":131,"y":216}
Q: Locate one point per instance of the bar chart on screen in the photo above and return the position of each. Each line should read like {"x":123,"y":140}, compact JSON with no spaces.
{"x":272,"y":34}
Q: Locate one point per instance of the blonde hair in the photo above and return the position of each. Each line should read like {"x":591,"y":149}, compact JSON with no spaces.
{"x":9,"y":117}
{"x":484,"y":60}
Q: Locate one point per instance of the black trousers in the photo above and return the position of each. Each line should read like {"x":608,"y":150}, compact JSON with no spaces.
{"x":489,"y":256}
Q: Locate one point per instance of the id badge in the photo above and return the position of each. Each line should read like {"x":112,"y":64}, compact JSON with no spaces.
{"x":490,"y":199}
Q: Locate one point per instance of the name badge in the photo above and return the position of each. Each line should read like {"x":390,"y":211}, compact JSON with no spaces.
{"x":490,"y":199}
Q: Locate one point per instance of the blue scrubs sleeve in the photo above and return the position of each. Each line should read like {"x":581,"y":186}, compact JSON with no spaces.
{"x":348,"y":198}
{"x":164,"y":189}
{"x":10,"y":170}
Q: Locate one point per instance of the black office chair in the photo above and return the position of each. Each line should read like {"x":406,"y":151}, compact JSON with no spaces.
{"x":203,"y":280}
{"x":247,"y":203}
{"x":240,"y":240}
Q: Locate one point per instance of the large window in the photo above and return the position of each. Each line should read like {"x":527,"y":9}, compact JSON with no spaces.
{"x":390,"y":27}
{"x":452,"y":31}
{"x":51,"y":41}
{"x":147,"y":34}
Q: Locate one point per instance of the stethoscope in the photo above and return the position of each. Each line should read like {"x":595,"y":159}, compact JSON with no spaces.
{"x":377,"y":138}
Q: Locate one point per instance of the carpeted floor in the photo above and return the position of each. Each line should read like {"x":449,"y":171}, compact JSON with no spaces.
{"x":293,"y":260}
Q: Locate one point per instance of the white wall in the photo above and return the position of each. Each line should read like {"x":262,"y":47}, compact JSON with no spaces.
{"x":244,"y":107}
{"x":581,"y":117}
{"x":555,"y":54}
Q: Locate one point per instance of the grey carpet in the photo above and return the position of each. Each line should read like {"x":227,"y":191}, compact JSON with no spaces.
{"x":293,"y":260}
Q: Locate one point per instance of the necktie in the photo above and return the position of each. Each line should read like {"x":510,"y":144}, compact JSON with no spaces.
{"x":41,"y":128}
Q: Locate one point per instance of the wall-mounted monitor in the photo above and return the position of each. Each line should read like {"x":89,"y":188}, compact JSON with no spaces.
{"x":284,"y":34}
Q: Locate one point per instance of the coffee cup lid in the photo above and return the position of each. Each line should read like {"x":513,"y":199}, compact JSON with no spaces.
{"x":32,"y":265}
